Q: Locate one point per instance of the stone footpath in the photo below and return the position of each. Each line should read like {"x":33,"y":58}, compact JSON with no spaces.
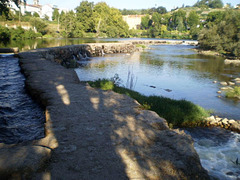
{"x":95,"y":134}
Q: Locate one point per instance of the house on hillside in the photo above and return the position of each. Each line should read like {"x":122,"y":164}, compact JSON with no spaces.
{"x":42,"y":10}
{"x":133,"y":21}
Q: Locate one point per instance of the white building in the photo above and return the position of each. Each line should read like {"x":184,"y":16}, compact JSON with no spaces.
{"x":42,"y":10}
{"x":133,"y":21}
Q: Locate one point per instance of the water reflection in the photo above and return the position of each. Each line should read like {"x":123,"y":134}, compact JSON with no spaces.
{"x":51,"y":42}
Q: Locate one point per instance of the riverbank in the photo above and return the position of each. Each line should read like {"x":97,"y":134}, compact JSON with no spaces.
{"x":92,"y":134}
{"x":228,"y":60}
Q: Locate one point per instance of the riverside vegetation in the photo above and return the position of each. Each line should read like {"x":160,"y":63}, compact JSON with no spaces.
{"x":177,"y":112}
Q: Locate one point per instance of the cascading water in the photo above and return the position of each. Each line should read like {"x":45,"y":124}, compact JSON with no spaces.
{"x":219,"y":151}
{"x":20,"y":118}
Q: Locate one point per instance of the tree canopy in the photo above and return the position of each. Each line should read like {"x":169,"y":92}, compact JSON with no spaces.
{"x":94,"y":18}
{"x":209,"y":3}
{"x":222,"y":32}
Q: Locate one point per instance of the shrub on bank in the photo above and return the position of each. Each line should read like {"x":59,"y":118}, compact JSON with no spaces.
{"x":176,"y":112}
{"x":17,"y":34}
{"x":235,"y":93}
{"x":5,"y":34}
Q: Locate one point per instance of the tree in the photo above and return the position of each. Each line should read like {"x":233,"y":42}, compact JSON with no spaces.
{"x":109,"y":20}
{"x":178,"y":20}
{"x":155,"y":30}
{"x":215,"y":4}
{"x":39,"y":24}
{"x":84,"y":14}
{"x":209,"y":3}
{"x":222,"y":33}
{"x":145,"y":22}
{"x":215,"y":17}
{"x":55,"y":15}
{"x":161,"y":10}
{"x":4,"y":34}
{"x":193,"y":19}
{"x":35,"y":14}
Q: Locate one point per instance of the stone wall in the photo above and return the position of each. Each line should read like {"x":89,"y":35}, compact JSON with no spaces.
{"x":69,"y":56}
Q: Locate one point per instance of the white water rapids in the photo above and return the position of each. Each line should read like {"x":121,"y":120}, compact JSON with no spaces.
{"x":219,"y":152}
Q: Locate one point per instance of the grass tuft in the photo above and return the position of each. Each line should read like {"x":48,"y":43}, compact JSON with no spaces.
{"x":179,"y":113}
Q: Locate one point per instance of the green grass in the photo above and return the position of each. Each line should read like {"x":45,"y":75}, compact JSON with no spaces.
{"x":141,"y":46}
{"x":233,"y":93}
{"x":179,"y":113}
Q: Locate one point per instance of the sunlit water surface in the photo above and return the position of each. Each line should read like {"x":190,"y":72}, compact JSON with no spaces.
{"x":176,"y":72}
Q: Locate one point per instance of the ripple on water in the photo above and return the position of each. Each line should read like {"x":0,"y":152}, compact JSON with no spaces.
{"x":21,"y":119}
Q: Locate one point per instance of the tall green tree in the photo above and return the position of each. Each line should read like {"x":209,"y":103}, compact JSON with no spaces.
{"x":39,"y":24}
{"x":179,"y":20}
{"x":222,"y":33}
{"x":55,"y":15}
{"x":193,"y":19}
{"x":145,"y":22}
{"x":84,"y":14}
{"x":215,"y":4}
{"x":155,"y":30}
{"x":109,"y":20}
{"x":193,"y":22}
{"x":161,"y":10}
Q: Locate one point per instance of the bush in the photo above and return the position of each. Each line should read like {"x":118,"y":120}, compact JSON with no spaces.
{"x":17,"y":34}
{"x":103,"y":84}
{"x":4,"y":34}
{"x":235,"y":93}
{"x":39,"y":24}
{"x":222,"y":33}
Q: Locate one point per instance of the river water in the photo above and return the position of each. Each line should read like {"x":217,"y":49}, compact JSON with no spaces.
{"x":20,"y":118}
{"x":174,"y":71}
{"x":178,"y":72}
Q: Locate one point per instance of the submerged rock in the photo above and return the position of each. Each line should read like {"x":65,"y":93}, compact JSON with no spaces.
{"x":230,"y":61}
{"x":224,"y":83}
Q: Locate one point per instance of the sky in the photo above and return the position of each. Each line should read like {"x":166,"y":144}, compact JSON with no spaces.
{"x":128,"y":4}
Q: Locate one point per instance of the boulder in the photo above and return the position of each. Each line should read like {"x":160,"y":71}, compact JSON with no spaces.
{"x":224,"y":83}
{"x":231,"y":83}
{"x":235,"y":127}
{"x":225,"y":121}
{"x":226,"y":88}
